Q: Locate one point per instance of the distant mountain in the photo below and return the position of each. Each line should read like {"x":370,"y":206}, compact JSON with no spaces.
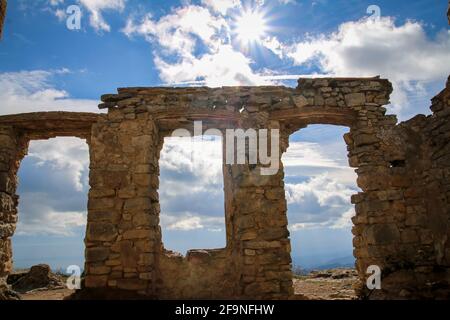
{"x":306,"y":264}
{"x":343,"y":262}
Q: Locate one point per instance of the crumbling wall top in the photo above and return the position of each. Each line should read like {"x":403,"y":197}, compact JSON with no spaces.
{"x":45,"y":125}
{"x":2,"y":15}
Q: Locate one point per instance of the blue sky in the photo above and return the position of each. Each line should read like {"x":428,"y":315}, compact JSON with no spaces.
{"x":46,"y":66}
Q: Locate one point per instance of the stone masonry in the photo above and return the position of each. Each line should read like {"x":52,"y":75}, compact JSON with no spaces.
{"x":2,"y":15}
{"x":402,"y":221}
{"x":15,"y":133}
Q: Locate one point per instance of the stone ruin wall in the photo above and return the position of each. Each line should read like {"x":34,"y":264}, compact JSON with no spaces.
{"x":448,"y":12}
{"x":402,"y":213}
{"x":16,"y":132}
{"x":2,"y":15}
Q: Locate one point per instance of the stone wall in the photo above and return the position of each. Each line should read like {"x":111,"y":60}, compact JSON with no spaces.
{"x":402,"y":212}
{"x":406,"y":207}
{"x":2,"y":15}
{"x":448,"y":12}
{"x":12,"y":148}
{"x":15,"y":133}
{"x":256,"y":262}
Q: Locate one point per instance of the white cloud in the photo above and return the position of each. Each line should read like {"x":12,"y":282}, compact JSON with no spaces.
{"x":200,"y":158}
{"x":183,"y":29}
{"x":32,"y":91}
{"x":181,"y":35}
{"x":311,"y":159}
{"x":68,"y":154}
{"x":191,"y":185}
{"x":307,"y":154}
{"x":189,"y":221}
{"x":328,"y":192}
{"x":222,"y":6}
{"x":96,"y":7}
{"x":222,"y":68}
{"x":273,"y":44}
{"x":319,"y":202}
{"x":53,"y":187}
{"x":287,"y":1}
{"x":56,"y":2}
{"x":60,"y":14}
{"x":345,"y":221}
{"x":54,"y":177}
{"x":404,"y":54}
{"x":41,"y":220}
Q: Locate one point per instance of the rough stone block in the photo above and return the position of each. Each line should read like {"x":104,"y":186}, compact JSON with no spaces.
{"x":101,"y":231}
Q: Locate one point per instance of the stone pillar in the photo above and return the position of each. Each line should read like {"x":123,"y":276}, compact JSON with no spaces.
{"x":437,"y":196}
{"x":381,"y":203}
{"x":402,"y":216}
{"x":448,"y":12}
{"x":2,"y":15}
{"x":260,"y":238}
{"x":123,"y":235}
{"x":12,"y":149}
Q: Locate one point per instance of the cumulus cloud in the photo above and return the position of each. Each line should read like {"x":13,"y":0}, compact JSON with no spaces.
{"x":56,"y":2}
{"x":319,"y":201}
{"x":193,"y":45}
{"x":53,"y":177}
{"x":222,"y":6}
{"x":30,"y":91}
{"x":190,"y":221}
{"x":67,"y":154}
{"x":308,"y":159}
{"x":222,"y":68}
{"x":53,"y":187}
{"x":200,"y":157}
{"x":95,"y":8}
{"x":191,"y":185}
{"x":319,"y":182}
{"x":369,"y":47}
{"x":42,"y":220}
{"x":319,"y":185}
{"x":304,"y":153}
{"x":180,"y":31}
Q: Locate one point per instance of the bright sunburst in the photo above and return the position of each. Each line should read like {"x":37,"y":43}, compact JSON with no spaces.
{"x":251,"y":26}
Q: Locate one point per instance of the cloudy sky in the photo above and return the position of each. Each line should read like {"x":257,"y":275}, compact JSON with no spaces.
{"x":44,"y":65}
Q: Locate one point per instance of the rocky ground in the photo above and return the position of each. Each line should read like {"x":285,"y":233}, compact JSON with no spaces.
{"x":334,"y":284}
{"x":40,"y":283}
{"x":52,"y":294}
{"x":37,"y":283}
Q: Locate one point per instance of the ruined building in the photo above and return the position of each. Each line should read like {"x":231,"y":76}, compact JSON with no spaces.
{"x":402,"y":221}
{"x":2,"y":15}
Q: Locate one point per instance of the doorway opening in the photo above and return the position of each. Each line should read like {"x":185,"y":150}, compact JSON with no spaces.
{"x":52,"y":215}
{"x":319,"y":184}
{"x":192,"y":193}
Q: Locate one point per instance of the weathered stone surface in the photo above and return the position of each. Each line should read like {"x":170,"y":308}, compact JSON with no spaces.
{"x":96,"y":254}
{"x":401,"y":213}
{"x":39,"y":276}
{"x":101,"y":231}
{"x":355,"y":99}
{"x":3,"y":4}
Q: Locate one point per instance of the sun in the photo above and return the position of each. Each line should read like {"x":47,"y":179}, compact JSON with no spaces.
{"x":250,"y":26}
